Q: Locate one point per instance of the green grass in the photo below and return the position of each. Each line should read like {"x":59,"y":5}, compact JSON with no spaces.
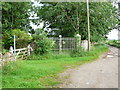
{"x":51,"y":55}
{"x":43,"y":73}
{"x":114,"y":43}
{"x":3,"y":51}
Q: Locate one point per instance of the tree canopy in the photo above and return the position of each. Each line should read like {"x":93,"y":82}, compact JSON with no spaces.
{"x":22,"y":38}
{"x":15,"y":20}
{"x":15,"y":15}
{"x":68,"y":18}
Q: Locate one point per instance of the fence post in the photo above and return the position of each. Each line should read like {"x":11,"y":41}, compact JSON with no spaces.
{"x":60,"y":43}
{"x":78,"y":41}
{"x":11,"y":49}
{"x":14,"y":49}
{"x":29,"y":49}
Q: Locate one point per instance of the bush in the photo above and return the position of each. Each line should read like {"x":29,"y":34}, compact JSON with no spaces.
{"x":78,"y":52}
{"x":22,"y":38}
{"x":43,"y":44}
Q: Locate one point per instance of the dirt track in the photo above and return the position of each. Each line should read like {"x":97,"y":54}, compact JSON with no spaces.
{"x":102,"y":73}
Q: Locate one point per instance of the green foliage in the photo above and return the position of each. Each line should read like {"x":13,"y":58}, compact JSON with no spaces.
{"x":16,"y":15}
{"x":42,"y":43}
{"x":43,"y":73}
{"x":71,"y":17}
{"x":79,"y":52}
{"x":50,"y":55}
{"x":10,"y":67}
{"x":3,"y":51}
{"x":115,"y":43}
{"x":96,"y":50}
{"x":22,"y":38}
{"x":20,"y":34}
{"x":96,"y":38}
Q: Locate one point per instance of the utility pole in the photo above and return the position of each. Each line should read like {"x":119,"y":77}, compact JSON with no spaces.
{"x":88,"y":25}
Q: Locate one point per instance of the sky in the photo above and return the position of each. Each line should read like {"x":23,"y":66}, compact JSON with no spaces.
{"x":113,"y":35}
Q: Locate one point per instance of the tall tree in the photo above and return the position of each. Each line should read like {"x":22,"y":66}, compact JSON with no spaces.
{"x":71,"y":18}
{"x":16,"y":15}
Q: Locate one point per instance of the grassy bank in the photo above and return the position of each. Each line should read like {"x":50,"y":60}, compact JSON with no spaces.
{"x":40,"y":73}
{"x":114,"y":43}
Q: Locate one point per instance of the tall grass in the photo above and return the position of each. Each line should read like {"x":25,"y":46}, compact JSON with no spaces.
{"x":115,"y":43}
{"x":51,"y":55}
{"x":11,"y":67}
{"x":66,"y":54}
{"x":42,"y":73}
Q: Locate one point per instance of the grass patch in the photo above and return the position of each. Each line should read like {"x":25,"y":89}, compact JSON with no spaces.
{"x":4,"y":51}
{"x":51,"y":55}
{"x":43,"y":73}
{"x":115,"y":43}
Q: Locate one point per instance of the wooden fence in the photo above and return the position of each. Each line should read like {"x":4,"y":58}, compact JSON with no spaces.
{"x":12,"y":55}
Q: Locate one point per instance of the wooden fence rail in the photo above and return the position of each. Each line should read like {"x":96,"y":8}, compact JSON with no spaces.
{"x":17,"y":53}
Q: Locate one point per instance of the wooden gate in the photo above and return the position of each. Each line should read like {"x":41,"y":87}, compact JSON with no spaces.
{"x":12,"y":55}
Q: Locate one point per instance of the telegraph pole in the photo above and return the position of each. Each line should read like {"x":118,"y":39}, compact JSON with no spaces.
{"x":88,"y":22}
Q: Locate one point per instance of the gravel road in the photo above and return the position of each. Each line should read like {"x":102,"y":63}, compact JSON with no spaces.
{"x":102,"y":73}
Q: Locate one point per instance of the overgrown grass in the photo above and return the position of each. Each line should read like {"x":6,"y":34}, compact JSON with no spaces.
{"x":3,"y":51}
{"x":43,"y":73}
{"x":114,"y":43}
{"x":51,"y":55}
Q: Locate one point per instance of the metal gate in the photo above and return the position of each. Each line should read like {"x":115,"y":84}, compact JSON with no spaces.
{"x":63,"y":43}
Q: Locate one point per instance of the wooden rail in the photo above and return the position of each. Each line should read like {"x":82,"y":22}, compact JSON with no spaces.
{"x":20,"y":54}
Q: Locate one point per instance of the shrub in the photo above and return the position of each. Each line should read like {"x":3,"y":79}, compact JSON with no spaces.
{"x":42,"y":43}
{"x":22,"y":38}
{"x":79,"y":52}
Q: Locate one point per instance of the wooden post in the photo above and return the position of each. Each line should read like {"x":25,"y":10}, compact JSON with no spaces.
{"x":88,"y":25}
{"x":60,"y":43}
{"x":14,"y":49}
{"x":11,"y":50}
{"x":29,"y":49}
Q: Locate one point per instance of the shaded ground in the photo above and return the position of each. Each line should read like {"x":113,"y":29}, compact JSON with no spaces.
{"x":102,"y":73}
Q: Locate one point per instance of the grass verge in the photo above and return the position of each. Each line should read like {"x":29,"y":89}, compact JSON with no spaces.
{"x":114,"y":43}
{"x":43,"y":73}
